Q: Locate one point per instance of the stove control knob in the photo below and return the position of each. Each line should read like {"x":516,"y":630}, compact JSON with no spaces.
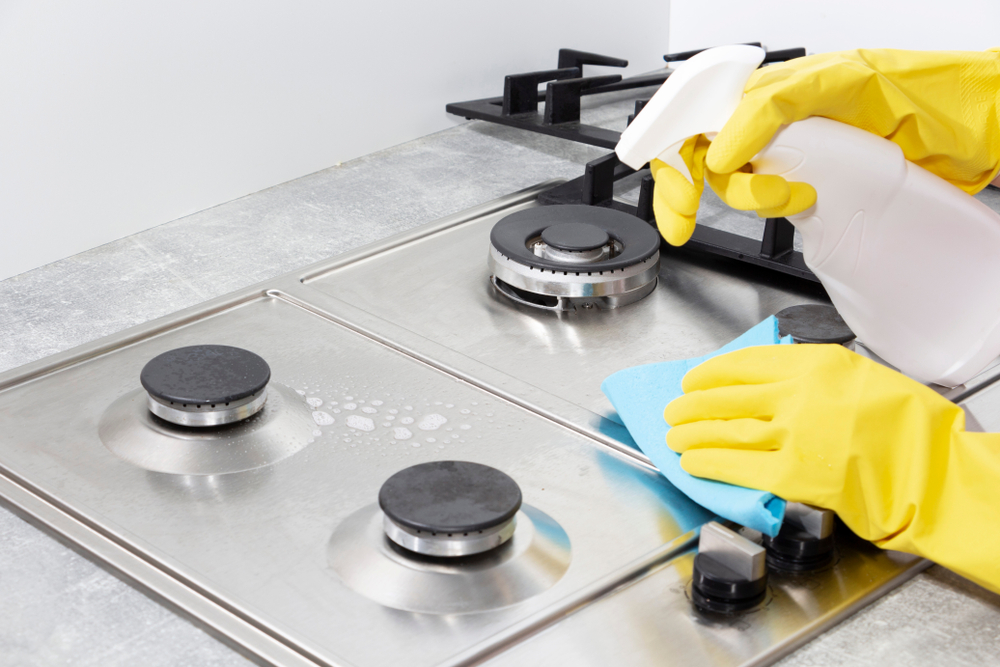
{"x":805,"y":541}
{"x":730,"y":572}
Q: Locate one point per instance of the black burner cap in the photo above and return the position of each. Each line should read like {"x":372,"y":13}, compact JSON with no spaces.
{"x":450,"y":497}
{"x":510,"y":236}
{"x":203,"y":374}
{"x":575,"y":236}
{"x":814,"y":323}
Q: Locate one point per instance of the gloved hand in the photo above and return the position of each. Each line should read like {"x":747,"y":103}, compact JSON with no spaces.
{"x":675,"y":198}
{"x":941,"y":107}
{"x":821,"y":425}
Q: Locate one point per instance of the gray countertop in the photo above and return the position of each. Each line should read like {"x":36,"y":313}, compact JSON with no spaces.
{"x":58,"y":608}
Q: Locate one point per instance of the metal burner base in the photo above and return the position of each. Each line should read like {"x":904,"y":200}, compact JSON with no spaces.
{"x":449,"y":545}
{"x":208,"y":415}
{"x":283,"y":427}
{"x":532,"y":561}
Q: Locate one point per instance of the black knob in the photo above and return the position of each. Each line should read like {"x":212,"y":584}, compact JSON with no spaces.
{"x":805,"y":541}
{"x":729,"y":572}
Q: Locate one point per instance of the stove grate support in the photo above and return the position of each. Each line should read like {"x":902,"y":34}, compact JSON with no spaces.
{"x":564,"y":88}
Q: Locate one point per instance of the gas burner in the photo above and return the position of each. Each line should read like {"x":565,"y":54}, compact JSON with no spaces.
{"x":449,"y":508}
{"x":205,"y":385}
{"x":565,"y":257}
{"x":814,"y":323}
{"x":449,"y":537}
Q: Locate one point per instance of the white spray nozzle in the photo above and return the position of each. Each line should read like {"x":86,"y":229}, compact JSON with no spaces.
{"x":698,"y":98}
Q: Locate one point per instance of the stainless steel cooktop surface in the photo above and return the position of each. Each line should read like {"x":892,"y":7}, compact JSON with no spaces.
{"x":269,"y":529}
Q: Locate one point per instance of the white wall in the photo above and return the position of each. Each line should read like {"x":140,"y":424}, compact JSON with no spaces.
{"x":833,"y":25}
{"x":118,"y":115}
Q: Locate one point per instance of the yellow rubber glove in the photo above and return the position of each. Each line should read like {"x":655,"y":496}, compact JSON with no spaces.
{"x":941,"y":107}
{"x":675,"y":198}
{"x":821,"y":425}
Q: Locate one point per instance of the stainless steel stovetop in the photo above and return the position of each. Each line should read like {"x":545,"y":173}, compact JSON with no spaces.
{"x":269,"y":533}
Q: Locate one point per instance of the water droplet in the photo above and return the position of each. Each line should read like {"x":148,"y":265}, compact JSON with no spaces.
{"x":369,"y":410}
{"x":322,"y":418}
{"x":432,"y":422}
{"x":406,"y":420}
{"x":386,"y":424}
{"x":317,"y":433}
{"x":348,"y":398}
{"x":393,"y":411}
{"x":431,"y":440}
{"x":415,"y":444}
{"x":360,"y":423}
{"x":475,"y":402}
{"x":390,"y":417}
{"x":401,"y":433}
{"x":350,"y":406}
{"x":464,"y":411}
{"x":347,"y":439}
{"x":314,"y":401}
{"x":407,"y":407}
{"x":465,"y":427}
{"x":376,"y":402}
{"x":449,"y":405}
{"x":300,"y":392}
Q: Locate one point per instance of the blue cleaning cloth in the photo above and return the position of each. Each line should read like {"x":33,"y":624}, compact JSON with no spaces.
{"x":640,"y":394}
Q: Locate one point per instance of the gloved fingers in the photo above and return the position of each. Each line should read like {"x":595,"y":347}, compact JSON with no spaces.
{"x":750,"y":469}
{"x":674,"y":227}
{"x":747,"y":132}
{"x":673,"y":190}
{"x":748,"y":434}
{"x":751,"y":365}
{"x":675,"y":198}
{"x":802,"y":197}
{"x":756,"y":401}
{"x":746,"y":191}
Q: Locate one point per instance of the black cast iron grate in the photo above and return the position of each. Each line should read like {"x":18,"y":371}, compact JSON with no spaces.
{"x":565,"y":86}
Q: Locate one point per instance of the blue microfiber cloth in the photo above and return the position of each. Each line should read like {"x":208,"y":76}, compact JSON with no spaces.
{"x":640,"y":394}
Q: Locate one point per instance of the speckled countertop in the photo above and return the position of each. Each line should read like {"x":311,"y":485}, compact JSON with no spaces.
{"x":59,"y":608}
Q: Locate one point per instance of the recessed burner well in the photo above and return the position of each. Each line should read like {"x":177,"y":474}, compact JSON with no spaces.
{"x":205,"y":385}
{"x":565,"y":257}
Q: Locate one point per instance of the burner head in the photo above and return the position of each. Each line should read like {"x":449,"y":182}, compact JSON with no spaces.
{"x":205,"y":385}
{"x":575,"y":236}
{"x":449,"y":508}
{"x":563,"y":257}
{"x":814,"y":323}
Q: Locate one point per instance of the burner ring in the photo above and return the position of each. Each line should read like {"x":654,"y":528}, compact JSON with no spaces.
{"x":575,"y":236}
{"x":207,"y":414}
{"x":205,"y":385}
{"x":449,"y":508}
{"x":638,"y":240}
{"x":448,"y":545}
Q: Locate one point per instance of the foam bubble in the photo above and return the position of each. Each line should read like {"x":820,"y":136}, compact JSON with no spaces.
{"x":360,"y":423}
{"x":322,"y":418}
{"x":432,"y":422}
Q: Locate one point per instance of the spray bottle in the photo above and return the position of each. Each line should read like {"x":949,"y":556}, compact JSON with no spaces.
{"x":911,"y":262}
